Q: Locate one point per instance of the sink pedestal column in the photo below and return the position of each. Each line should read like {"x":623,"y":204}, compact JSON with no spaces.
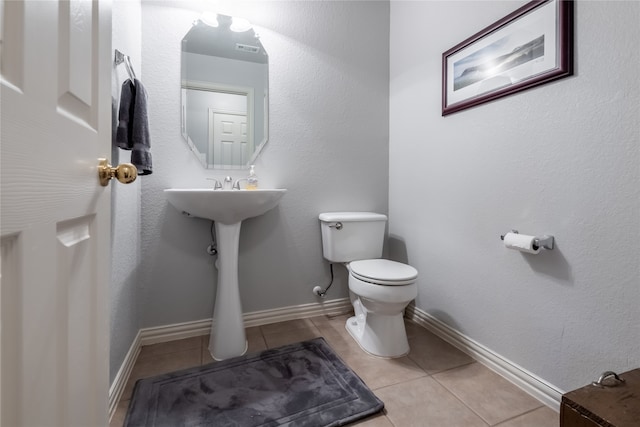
{"x":227,"y":332}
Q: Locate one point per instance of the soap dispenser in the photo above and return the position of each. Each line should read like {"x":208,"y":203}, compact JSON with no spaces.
{"x":252,"y":180}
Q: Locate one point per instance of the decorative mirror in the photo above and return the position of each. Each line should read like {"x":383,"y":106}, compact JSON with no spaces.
{"x":225,"y":92}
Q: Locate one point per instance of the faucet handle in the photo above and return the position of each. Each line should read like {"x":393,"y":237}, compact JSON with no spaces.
{"x":236,"y":185}
{"x":216,"y":183}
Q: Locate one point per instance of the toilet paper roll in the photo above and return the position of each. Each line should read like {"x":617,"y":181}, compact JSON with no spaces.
{"x":521,"y":242}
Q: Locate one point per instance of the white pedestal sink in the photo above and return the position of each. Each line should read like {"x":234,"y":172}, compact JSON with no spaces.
{"x":228,"y":208}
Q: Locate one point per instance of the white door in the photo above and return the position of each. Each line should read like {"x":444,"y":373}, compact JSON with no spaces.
{"x":55,"y":216}
{"x":228,"y":139}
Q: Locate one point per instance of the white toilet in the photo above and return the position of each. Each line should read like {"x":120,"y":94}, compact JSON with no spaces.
{"x":380,"y":289}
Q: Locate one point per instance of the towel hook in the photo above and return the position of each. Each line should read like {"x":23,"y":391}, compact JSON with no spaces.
{"x":120,"y":58}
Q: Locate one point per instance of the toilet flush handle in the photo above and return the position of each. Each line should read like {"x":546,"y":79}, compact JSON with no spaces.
{"x":337,"y":226}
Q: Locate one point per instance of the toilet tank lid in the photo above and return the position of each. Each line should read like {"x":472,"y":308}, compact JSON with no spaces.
{"x":351,"y":216}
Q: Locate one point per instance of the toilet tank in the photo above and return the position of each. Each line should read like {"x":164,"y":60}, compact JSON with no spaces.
{"x":349,"y":236}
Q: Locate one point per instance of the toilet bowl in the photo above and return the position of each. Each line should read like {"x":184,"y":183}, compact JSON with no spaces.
{"x":379,"y":289}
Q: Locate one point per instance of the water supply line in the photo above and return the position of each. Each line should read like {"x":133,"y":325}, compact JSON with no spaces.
{"x":322,"y":293}
{"x":212,"y":249}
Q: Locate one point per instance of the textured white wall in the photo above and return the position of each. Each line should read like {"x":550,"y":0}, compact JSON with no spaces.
{"x":328,"y":145}
{"x":562,"y":159}
{"x":125,"y":201}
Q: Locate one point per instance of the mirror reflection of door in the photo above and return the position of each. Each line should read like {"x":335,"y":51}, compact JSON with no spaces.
{"x":198,"y":105}
{"x":228,"y":138}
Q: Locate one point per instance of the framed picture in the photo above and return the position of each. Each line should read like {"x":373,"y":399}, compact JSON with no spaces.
{"x":529,"y":47}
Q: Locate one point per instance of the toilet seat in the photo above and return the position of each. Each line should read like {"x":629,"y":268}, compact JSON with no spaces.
{"x":383,"y":272}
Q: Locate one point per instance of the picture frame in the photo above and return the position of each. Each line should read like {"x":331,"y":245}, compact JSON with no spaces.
{"x":529,"y":47}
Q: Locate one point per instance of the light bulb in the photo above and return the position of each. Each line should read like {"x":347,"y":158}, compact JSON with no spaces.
{"x":209,"y":18}
{"x":240,"y":25}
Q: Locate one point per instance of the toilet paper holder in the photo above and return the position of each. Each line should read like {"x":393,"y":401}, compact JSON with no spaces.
{"x":545,"y":241}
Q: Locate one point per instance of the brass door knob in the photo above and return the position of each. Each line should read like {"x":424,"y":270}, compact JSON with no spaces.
{"x":125,"y":172}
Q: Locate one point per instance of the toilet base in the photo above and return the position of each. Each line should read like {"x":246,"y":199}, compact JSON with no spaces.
{"x":379,"y":335}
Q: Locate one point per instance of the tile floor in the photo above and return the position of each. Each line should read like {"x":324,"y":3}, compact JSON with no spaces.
{"x":435,"y":385}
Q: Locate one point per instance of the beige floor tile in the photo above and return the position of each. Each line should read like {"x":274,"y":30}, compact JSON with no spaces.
{"x":334,"y":325}
{"x":330,"y":321}
{"x":486,"y":393}
{"x":256,"y":344}
{"x":120,"y":414}
{"x":425,"y":403}
{"x":153,"y":350}
{"x":278,"y":339}
{"x":286,"y":326}
{"x":413,"y":329}
{"x":379,"y":420}
{"x":253,"y":331}
{"x":434,"y":354}
{"x":541,"y":417}
{"x":377,"y":372}
{"x":334,"y":331}
{"x":161,"y":364}
{"x":342,"y":343}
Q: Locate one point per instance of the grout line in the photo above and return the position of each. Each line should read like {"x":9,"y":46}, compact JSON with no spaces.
{"x":454,"y":367}
{"x":264,"y":340}
{"x":519,"y":415}
{"x":401,"y":382}
{"x":395,"y":384}
{"x":463,"y":402}
{"x":201,"y":350}
{"x":389,"y":419}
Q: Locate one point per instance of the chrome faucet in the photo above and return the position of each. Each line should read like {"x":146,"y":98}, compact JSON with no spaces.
{"x":216,"y":183}
{"x":228,"y":183}
{"x":236,"y":185}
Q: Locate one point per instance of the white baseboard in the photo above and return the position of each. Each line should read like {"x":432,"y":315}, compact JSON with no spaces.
{"x":120,"y":381}
{"x":327,"y":308}
{"x":178,"y":331}
{"x":256,"y":318}
{"x":525,"y":380}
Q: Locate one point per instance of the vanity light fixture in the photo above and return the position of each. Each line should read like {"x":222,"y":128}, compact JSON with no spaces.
{"x":209,"y":18}
{"x":240,"y":25}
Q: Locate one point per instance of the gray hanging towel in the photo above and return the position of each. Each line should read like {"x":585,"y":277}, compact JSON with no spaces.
{"x":141,"y":154}
{"x":125,"y":116}
{"x":133,"y":125}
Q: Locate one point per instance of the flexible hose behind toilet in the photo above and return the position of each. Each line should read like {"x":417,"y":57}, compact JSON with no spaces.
{"x":322,"y":293}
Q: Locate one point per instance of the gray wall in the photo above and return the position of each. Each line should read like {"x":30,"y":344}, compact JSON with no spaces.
{"x":328,"y":145}
{"x":562,"y":159}
{"x":125,"y":202}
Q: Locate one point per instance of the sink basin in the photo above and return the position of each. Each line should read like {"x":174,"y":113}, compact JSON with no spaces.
{"x":228,"y":208}
{"x":224,"y":206}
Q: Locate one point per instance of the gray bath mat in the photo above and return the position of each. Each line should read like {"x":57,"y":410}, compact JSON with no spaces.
{"x":303,"y":384}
